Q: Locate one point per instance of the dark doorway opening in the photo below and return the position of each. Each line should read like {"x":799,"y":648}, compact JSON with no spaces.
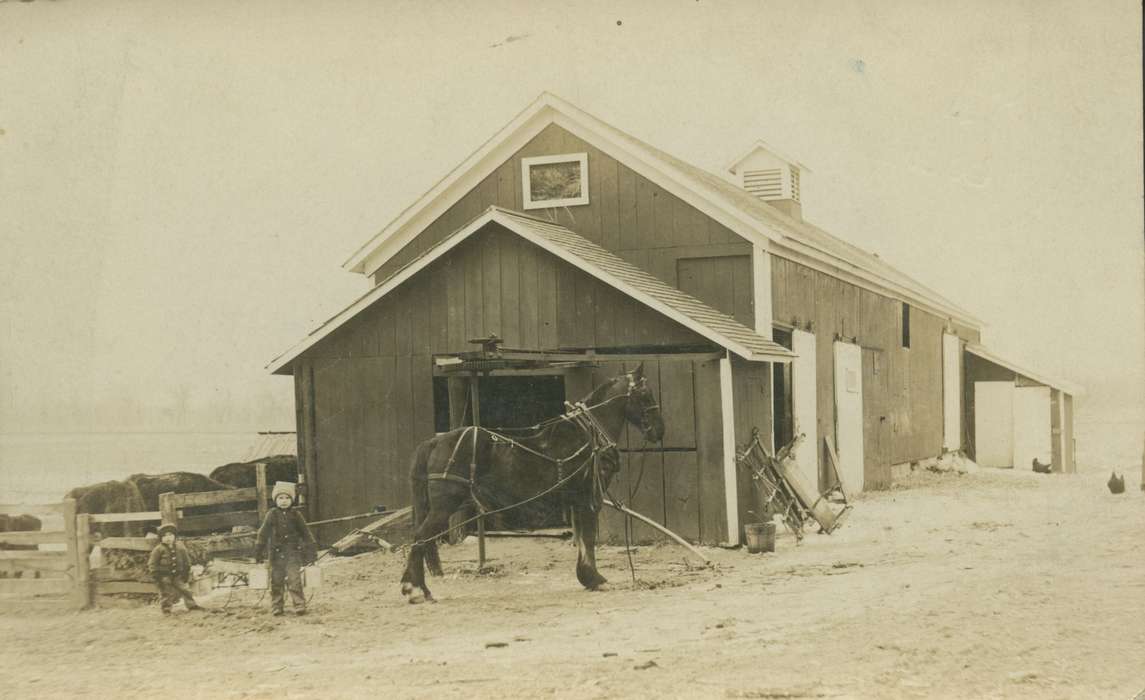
{"x":505,"y":401}
{"x":783,"y":424}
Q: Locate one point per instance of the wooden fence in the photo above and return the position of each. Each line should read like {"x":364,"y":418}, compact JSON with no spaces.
{"x":55,"y":577}
{"x":171,"y":506}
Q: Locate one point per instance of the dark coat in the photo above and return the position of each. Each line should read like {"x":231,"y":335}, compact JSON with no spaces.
{"x":170,"y":562}
{"x":284,"y":532}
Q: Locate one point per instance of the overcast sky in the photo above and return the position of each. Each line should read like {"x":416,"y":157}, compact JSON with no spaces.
{"x":181,"y":182}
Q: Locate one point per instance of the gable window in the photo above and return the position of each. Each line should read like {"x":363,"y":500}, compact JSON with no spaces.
{"x":906,"y":325}
{"x":555,"y":181}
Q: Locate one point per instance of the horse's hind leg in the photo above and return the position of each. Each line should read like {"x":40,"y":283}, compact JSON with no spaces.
{"x":584,"y":530}
{"x":435,"y":524}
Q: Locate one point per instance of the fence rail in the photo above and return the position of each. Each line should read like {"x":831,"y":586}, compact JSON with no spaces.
{"x":70,"y":581}
{"x":25,"y":569}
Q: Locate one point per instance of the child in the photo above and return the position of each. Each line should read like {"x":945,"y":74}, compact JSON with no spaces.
{"x":170,"y":566}
{"x":291,"y":546}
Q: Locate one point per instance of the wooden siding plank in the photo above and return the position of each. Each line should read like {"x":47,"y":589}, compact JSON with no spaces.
{"x":709,"y":452}
{"x":491,"y":282}
{"x":474,"y":309}
{"x":663,"y":218}
{"x":644,"y":233}
{"x":628,"y":234}
{"x":677,"y":403}
{"x":682,"y":494}
{"x":420,"y":315}
{"x":528,"y":295}
{"x":608,"y":198}
{"x":547,"y":331}
{"x":403,"y":419}
{"x":403,"y":321}
{"x":511,"y":291}
{"x":566,"y":301}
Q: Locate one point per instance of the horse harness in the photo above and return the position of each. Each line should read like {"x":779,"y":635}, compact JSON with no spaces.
{"x":597,"y":443}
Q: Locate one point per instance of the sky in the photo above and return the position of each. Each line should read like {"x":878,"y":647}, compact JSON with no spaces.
{"x":180,"y":183}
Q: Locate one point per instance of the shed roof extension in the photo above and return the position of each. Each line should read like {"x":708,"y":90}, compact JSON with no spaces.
{"x":751,"y":218}
{"x":1060,"y":384}
{"x":587,"y":256}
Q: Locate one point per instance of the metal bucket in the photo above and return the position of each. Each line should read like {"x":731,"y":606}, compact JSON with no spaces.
{"x":760,"y":537}
{"x":257,"y":577}
{"x":312,"y":576}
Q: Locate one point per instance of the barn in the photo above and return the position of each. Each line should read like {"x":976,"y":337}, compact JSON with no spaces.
{"x":585,"y":251}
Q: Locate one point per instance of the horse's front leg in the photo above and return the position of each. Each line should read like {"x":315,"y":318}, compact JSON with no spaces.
{"x":584,"y":530}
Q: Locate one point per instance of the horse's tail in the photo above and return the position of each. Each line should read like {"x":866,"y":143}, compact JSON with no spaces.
{"x":419,"y":492}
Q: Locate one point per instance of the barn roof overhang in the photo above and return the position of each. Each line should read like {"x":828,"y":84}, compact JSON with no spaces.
{"x":590,"y":258}
{"x":1061,"y":385}
{"x":752,"y":219}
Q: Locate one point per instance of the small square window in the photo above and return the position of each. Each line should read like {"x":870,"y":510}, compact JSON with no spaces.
{"x":555,"y":181}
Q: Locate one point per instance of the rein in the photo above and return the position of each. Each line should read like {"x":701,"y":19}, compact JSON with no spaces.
{"x":597,"y":443}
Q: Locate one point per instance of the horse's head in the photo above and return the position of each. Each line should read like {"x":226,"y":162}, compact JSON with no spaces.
{"x":642,"y":410}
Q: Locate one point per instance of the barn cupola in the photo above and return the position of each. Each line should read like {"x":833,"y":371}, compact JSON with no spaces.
{"x":772,"y":177}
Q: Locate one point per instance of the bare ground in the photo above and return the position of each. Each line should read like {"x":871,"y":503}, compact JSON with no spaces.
{"x":993,"y":584}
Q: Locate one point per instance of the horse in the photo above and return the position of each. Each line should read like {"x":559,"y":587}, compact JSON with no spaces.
{"x":567,"y":461}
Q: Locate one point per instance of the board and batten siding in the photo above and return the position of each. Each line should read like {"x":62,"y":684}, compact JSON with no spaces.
{"x":627,"y":213}
{"x":368,"y":386}
{"x":804,"y":297}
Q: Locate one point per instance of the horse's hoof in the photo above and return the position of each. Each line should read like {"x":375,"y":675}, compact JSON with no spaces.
{"x":416,"y":599}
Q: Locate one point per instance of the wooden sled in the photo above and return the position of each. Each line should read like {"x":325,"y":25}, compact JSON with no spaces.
{"x":785,"y":491}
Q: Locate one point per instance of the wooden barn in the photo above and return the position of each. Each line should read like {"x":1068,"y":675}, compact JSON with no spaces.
{"x":590,"y":251}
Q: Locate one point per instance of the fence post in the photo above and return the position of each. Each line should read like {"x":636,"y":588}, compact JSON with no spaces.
{"x":167,"y":513}
{"x":83,"y":568}
{"x":260,"y":488}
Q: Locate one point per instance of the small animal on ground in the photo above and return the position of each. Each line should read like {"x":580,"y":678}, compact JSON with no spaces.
{"x":1042,"y":468}
{"x":1116,"y":483}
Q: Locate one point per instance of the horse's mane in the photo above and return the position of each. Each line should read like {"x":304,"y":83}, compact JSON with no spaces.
{"x":599,"y":393}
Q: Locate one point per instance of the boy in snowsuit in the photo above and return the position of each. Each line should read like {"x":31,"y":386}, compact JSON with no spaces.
{"x":286,"y":538}
{"x":170,"y":566}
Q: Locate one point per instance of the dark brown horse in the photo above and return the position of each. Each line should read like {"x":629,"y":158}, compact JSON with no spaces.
{"x":566,"y":462}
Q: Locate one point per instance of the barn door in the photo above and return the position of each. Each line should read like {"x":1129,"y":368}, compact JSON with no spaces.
{"x":876,"y":423}
{"x":849,"y":415}
{"x":804,"y":405}
{"x":1031,"y":426}
{"x":951,"y":392}
{"x":994,"y":424}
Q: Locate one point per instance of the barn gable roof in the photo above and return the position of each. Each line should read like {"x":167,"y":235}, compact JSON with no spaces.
{"x":587,"y":256}
{"x":740,"y":211}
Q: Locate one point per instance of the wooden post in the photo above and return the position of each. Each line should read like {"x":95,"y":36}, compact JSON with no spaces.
{"x":83,"y":568}
{"x":480,"y":520}
{"x":260,"y":488}
{"x":69,"y":515}
{"x":167,"y":513}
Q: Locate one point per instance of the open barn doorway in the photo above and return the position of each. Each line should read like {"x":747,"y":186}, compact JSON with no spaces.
{"x":507,"y":401}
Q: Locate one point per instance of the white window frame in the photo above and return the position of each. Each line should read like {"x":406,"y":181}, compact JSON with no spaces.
{"x":526,"y":163}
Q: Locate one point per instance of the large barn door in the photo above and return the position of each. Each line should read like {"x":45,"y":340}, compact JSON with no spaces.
{"x":849,"y":414}
{"x":876,"y":424}
{"x":994,"y":424}
{"x":804,"y":405}
{"x":1031,"y":426}
{"x":951,"y":392}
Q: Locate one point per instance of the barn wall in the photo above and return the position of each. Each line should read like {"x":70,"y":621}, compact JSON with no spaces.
{"x":372,"y":378}
{"x":806,"y":298}
{"x":626,"y":213}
